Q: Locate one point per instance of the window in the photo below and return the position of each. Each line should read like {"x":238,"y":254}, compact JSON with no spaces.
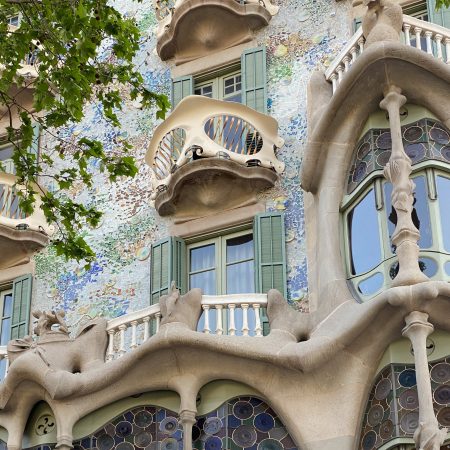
{"x":252,"y":259}
{"x":14,"y":20}
{"x":6,"y":302}
{"x":370,"y":219}
{"x":242,"y":82}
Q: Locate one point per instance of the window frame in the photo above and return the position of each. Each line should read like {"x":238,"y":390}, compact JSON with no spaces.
{"x":217,"y":81}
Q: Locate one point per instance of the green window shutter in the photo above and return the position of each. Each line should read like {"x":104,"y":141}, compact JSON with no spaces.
{"x":167,"y":264}
{"x":34,"y":148}
{"x":254,"y":83}
{"x":270,"y":252}
{"x":20,"y":319}
{"x":181,"y":87}
{"x":440,"y":16}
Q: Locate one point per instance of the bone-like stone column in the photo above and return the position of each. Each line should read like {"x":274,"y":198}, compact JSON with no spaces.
{"x":428,"y":435}
{"x":397,"y":171}
{"x":187,"y":419}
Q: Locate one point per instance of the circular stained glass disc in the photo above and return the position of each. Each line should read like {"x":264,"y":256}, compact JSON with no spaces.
{"x":409,"y":399}
{"x":369,"y":440}
{"x":212,"y":425}
{"x":213,"y":443}
{"x":439,"y":135}
{"x":244,"y":436}
{"x":124,"y":429}
{"x":278,"y":433}
{"x":416,"y":152}
{"x":375,"y":415}
{"x":125,"y":446}
{"x":412,"y":134}
{"x":269,"y":444}
{"x":383,"y":158}
{"x":243,"y":410}
{"x":105,"y":442}
{"x":143,"y":439}
{"x":264,"y":422}
{"x":409,"y":422}
{"x":445,"y":152}
{"x":169,"y":425}
{"x":443,"y":417}
{"x":143,"y":419}
{"x":440,"y":373}
{"x":169,"y":444}
{"x":442,"y":395}
{"x":363,"y":150}
{"x":384,"y":140}
{"x":360,"y":172}
{"x":407,"y":378}
{"x":386,"y":429}
{"x":383,"y":388}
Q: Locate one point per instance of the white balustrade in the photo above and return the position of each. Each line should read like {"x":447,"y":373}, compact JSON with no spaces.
{"x":417,"y":33}
{"x":232,"y":315}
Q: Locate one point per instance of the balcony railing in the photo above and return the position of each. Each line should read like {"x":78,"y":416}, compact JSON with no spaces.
{"x":431,"y":38}
{"x":10,"y":212}
{"x":200,"y":127}
{"x":237,"y":314}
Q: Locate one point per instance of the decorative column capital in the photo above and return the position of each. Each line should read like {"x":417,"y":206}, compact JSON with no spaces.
{"x":417,"y":323}
{"x":392,"y":98}
{"x":188,"y":416}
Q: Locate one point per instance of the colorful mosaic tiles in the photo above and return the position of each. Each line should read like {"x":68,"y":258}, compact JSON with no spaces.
{"x":243,"y":423}
{"x":393,"y":407}
{"x":423,"y":140}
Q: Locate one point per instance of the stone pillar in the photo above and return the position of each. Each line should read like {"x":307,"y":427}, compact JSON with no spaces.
{"x":64,"y":442}
{"x":428,"y":435}
{"x":187,"y":419}
{"x":397,"y":171}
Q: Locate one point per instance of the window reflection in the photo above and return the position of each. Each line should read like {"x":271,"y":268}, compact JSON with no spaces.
{"x":443,"y":188}
{"x":364,"y":237}
{"x":372,"y":284}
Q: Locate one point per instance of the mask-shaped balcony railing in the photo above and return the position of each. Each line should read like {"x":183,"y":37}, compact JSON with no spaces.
{"x":200,"y":127}
{"x":189,"y":29}
{"x":426,"y":36}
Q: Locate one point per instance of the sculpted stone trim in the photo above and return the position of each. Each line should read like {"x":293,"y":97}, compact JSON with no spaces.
{"x":178,"y":36}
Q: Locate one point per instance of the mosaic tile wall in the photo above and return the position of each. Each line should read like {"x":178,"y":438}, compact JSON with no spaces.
{"x":305,"y":35}
{"x":244,"y":423}
{"x":393,"y":406}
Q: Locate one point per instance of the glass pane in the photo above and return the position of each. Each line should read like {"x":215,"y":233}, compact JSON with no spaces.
{"x":240,"y":248}
{"x":206,"y":281}
{"x":202,"y":258}
{"x":240,"y":278}
{"x":6,"y":330}
{"x":443,"y":187}
{"x":372,"y":284}
{"x":6,"y":152}
{"x":447,"y":267}
{"x":428,"y":266}
{"x":7,"y":305}
{"x":364,"y":238}
{"x":234,"y":98}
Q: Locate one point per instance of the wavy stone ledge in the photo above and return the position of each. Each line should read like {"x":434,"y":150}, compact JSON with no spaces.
{"x":207,"y":185}
{"x":202,"y":27}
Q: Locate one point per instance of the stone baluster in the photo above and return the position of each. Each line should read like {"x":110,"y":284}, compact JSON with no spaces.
{"x":146,"y":322}
{"x":447,"y":49}
{"x":418,"y":32}
{"x":361,"y":41}
{"x":397,"y":171}
{"x":428,"y":435}
{"x":428,"y":35}
{"x":206,"y":328}
{"x":406,"y":28}
{"x":438,"y":40}
{"x":354,"y":53}
{"x":122,"y":329}
{"x":134,"y":324}
{"x":333,"y":79}
{"x":232,"y":325}
{"x":158,"y":320}
{"x":339,"y":70}
{"x":219,"y":326}
{"x":346,"y":60}
{"x":110,"y":355}
{"x":245,"y":328}
{"x":258,"y":328}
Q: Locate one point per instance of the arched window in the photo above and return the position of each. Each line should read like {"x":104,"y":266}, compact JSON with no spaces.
{"x":369,"y":218}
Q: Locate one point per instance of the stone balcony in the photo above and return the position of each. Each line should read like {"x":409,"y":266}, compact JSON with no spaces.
{"x":212,"y":154}
{"x":20,"y":235}
{"x":189,"y":29}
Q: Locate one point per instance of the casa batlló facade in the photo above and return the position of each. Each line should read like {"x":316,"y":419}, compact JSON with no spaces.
{"x":276,"y":275}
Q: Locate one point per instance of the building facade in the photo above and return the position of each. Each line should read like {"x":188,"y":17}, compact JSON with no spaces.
{"x":276,"y":275}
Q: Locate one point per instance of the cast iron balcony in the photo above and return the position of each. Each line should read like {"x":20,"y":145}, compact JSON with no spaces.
{"x":189,"y":29}
{"x":20,"y":235}
{"x":212,"y":154}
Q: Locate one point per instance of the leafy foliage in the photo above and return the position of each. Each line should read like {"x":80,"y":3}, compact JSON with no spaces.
{"x":61,"y":40}
{"x":442,"y":4}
